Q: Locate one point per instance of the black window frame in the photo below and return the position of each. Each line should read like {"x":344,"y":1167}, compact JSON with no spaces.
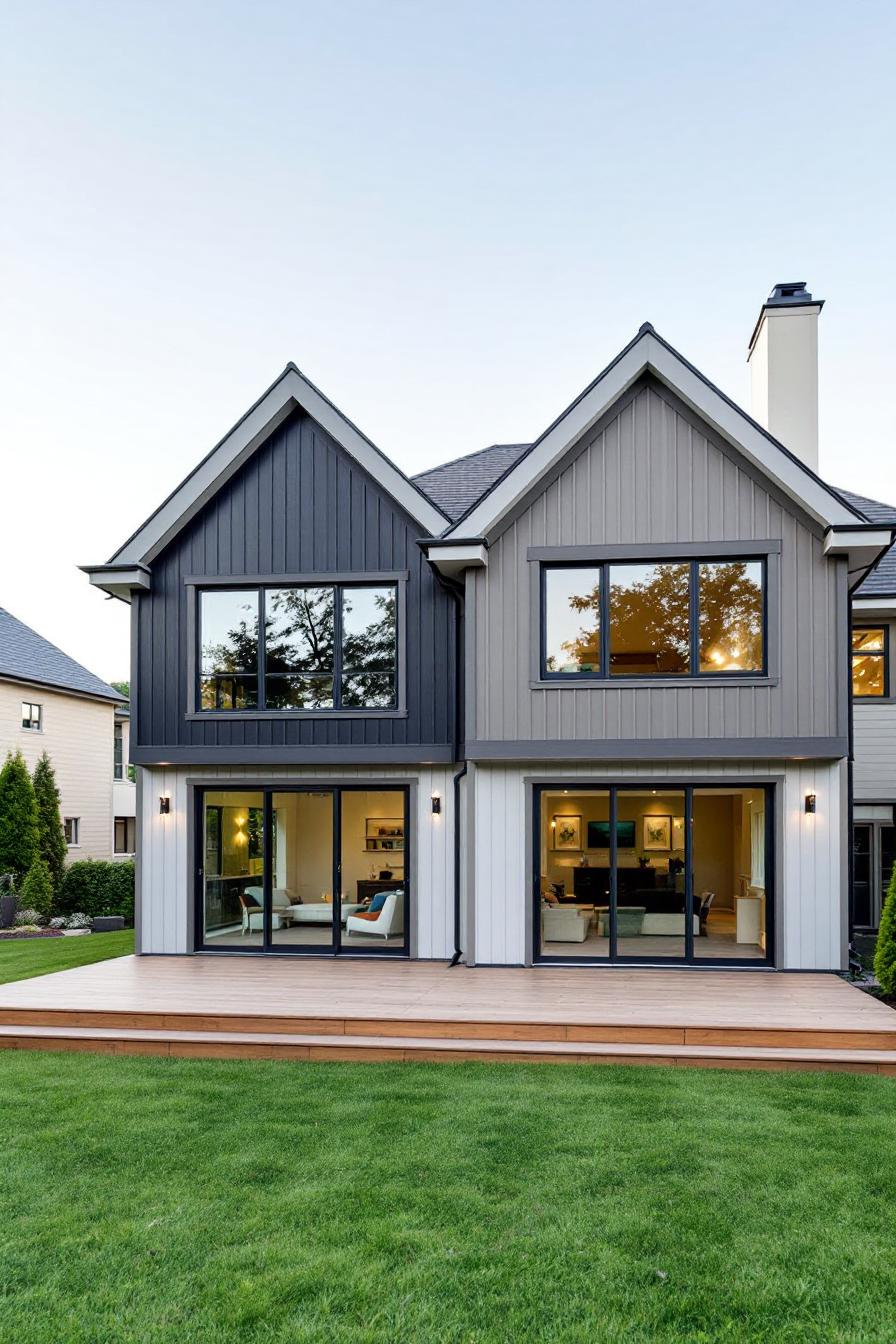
{"x":118,"y":751}
{"x":340,"y":947}
{"x":883,"y":653}
{"x":130,"y":832}
{"x":72,"y":826}
{"x":29,"y":725}
{"x":261,"y":590}
{"x":688,"y":787}
{"x":694,"y":673}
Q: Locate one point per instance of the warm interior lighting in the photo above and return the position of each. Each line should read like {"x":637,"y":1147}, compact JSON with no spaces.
{"x":810,"y":802}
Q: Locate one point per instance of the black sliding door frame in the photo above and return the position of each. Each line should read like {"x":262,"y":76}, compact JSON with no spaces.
{"x":339,"y":947}
{"x":688,"y":788}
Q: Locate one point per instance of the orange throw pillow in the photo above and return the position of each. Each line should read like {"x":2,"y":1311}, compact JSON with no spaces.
{"x":367,"y":915}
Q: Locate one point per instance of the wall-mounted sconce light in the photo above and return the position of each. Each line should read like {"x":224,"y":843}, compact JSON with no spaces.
{"x":164,"y":805}
{"x":810,"y":802}
{"x":436,"y":804}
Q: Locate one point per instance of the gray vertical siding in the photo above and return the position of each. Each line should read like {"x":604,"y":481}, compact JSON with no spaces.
{"x":653,"y":473}
{"x":300,"y":505}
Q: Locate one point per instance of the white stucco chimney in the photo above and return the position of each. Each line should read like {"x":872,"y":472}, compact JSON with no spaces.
{"x":783,"y":359}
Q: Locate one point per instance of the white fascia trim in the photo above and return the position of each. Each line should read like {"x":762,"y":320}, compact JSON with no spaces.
{"x":649,"y":354}
{"x":868,"y":606}
{"x":290,"y":390}
{"x":453,"y":560}
{"x":843,"y":540}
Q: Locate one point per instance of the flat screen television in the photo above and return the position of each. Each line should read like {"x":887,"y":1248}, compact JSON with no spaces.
{"x":599,"y":835}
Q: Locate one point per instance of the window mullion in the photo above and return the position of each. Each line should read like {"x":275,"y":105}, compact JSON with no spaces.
{"x":337,"y":647}
{"x":261,"y":696}
{"x":604,"y":608}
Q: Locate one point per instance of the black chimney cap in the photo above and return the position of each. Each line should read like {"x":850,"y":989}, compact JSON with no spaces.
{"x":790,"y":292}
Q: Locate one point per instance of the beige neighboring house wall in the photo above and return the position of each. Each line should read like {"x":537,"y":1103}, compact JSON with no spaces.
{"x":77,"y":733}
{"x":124,"y":791}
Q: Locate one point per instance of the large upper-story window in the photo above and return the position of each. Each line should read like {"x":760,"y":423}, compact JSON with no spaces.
{"x":870,"y":659}
{"x":654,"y":619}
{"x":318,"y":648}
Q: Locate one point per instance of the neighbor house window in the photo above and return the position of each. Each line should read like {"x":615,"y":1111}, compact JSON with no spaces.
{"x":315,"y":647}
{"x":654,"y":619}
{"x":869,"y":661}
{"x":72,"y":829}
{"x":118,"y":759}
{"x":125,"y":835}
{"x":32,"y":716}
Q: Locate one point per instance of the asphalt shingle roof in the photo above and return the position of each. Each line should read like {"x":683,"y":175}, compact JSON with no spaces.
{"x":27,"y":656}
{"x":881,"y":582}
{"x":456,"y":486}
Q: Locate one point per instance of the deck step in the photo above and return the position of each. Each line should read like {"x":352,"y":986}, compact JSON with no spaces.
{"x":483,"y":1031}
{"x":260,"y":1045}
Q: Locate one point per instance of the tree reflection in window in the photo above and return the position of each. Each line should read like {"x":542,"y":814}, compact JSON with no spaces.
{"x":731,"y":609}
{"x":368,"y":647}
{"x":299,"y":648}
{"x":229,"y":650}
{"x":649,"y":619}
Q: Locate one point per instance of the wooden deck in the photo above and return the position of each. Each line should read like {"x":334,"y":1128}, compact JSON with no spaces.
{"x":309,"y":1009}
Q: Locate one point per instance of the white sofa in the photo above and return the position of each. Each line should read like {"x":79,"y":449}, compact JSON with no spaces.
{"x":319,"y":912}
{"x":564,"y":925}
{"x":388,"y":923}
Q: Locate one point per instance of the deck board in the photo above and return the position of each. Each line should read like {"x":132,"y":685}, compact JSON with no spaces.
{"x":357,"y":992}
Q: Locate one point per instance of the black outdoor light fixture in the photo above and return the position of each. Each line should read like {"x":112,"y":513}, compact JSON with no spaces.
{"x":810,"y":802}
{"x":164,"y":806}
{"x":436,"y":804}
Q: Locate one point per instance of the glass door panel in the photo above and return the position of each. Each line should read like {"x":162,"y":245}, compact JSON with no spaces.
{"x":233,"y":869}
{"x":573,"y":918}
{"x":862,"y":894}
{"x":730,"y":879}
{"x":304,"y":908}
{"x":650,"y":877}
{"x":373,"y":906}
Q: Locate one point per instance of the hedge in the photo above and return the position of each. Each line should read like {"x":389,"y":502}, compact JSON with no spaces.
{"x":97,"y":887}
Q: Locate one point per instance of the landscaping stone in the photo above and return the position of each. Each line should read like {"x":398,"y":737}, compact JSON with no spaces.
{"x":108,"y":923}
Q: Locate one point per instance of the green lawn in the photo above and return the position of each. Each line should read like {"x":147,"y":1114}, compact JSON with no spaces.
{"x":20,"y":959}
{"x":180,"y":1202}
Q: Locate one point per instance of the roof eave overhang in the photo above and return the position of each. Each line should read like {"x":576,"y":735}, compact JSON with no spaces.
{"x":452,"y":558}
{"x":863,"y":544}
{"x":649,"y":353}
{"x":291,"y":390}
{"x":119,"y":580}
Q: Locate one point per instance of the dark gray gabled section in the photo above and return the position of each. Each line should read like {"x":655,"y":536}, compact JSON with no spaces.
{"x":300,"y":506}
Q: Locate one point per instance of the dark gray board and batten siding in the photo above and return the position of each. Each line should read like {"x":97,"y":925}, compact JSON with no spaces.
{"x":300,"y":506}
{"x":651,"y":474}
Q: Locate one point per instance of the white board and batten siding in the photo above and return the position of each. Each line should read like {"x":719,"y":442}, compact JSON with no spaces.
{"x":810,"y":862}
{"x":874,"y":775}
{"x":167,"y":886}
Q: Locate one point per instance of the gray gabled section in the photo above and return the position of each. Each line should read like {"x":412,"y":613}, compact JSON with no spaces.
{"x":27,"y":656}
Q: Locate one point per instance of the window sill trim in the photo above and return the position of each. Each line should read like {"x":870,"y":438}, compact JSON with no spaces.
{"x":285,"y":715}
{"x":651,"y":683}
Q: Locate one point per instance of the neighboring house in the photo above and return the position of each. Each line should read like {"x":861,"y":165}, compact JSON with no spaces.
{"x":124,"y":787}
{"x":874,"y":720}
{"x":48,"y":702}
{"x":585,"y":699}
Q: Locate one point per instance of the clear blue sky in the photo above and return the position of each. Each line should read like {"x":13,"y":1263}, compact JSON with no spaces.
{"x":450,"y":216}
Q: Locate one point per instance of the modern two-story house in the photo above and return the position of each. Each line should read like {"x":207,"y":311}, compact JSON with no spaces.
{"x":579,"y":700}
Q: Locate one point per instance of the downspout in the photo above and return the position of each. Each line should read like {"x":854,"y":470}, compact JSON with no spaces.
{"x":455,"y":591}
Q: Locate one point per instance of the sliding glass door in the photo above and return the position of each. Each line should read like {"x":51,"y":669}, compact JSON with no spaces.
{"x":302,"y":870}
{"x":667,"y":874}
